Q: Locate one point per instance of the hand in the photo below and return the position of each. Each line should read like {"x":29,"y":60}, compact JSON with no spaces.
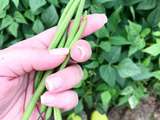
{"x":19,"y":62}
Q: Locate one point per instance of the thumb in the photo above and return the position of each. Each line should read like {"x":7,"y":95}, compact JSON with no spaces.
{"x":19,"y":61}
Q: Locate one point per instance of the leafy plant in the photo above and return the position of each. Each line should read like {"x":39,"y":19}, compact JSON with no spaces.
{"x":124,"y":68}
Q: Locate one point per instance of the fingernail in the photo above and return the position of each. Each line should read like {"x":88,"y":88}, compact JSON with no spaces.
{"x":54,"y":83}
{"x":46,"y":99}
{"x":59,"y":51}
{"x":81,"y":52}
{"x":80,"y":71}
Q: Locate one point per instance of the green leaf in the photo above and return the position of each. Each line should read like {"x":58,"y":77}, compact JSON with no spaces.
{"x":119,"y":40}
{"x":106,"y":46}
{"x":131,"y":2}
{"x":97,"y":8}
{"x":127,"y":68}
{"x":4,"y":3}
{"x":137,"y":44}
{"x":156,"y":74}
{"x":133,"y":102}
{"x":108,"y":74}
{"x":154,"y":16}
{"x":133,"y":30}
{"x":36,"y":4}
{"x":2,"y":14}
{"x":127,"y":91}
{"x":28,"y":14}
{"x":106,"y":99}
{"x":113,"y":55}
{"x":50,"y":16}
{"x":103,"y":1}
{"x":38,"y":26}
{"x":19,"y":17}
{"x":6,"y":22}
{"x":114,"y":20}
{"x":92,"y":65}
{"x":146,"y":5}
{"x":145,"y":74}
{"x":102,"y":33}
{"x":13,"y":29}
{"x":79,"y":107}
{"x":16,"y":2}
{"x":153,"y":50}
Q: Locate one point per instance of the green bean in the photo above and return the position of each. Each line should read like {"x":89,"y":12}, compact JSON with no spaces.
{"x":38,"y":78}
{"x":76,"y":23}
{"x":63,"y":26}
{"x":48,"y":113}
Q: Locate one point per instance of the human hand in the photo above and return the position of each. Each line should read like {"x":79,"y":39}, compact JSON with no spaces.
{"x":19,"y":62}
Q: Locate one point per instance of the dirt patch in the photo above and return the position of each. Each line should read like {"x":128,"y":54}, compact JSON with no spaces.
{"x":147,"y":110}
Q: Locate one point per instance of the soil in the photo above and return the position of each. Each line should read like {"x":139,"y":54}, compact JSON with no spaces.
{"x":147,"y":110}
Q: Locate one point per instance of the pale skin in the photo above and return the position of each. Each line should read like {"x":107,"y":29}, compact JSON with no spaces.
{"x":19,"y":62}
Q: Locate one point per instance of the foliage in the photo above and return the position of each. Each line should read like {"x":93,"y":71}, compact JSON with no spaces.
{"x":124,"y":67}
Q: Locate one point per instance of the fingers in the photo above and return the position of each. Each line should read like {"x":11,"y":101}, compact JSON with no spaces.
{"x":19,"y":61}
{"x":81,"y":51}
{"x":42,"y":40}
{"x":58,"y":85}
{"x":64,"y":100}
{"x":64,"y":79}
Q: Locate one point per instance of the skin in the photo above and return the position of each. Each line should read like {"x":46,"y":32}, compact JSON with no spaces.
{"x":19,"y":62}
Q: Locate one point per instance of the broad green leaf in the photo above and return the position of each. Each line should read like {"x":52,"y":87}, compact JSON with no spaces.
{"x":136,"y":45}
{"x":19,"y":17}
{"x":16,"y":2}
{"x":28,"y":14}
{"x":92,"y":65}
{"x":154,"y":16}
{"x":119,"y":40}
{"x":102,"y":33}
{"x":156,"y":74}
{"x":103,"y":1}
{"x":127,"y":68}
{"x":3,"y":3}
{"x":123,"y":100}
{"x":79,"y":107}
{"x":133,"y":30}
{"x":133,"y":102}
{"x":114,"y":20}
{"x":106,"y":46}
{"x":145,"y":74}
{"x":108,"y":74}
{"x":73,"y":116}
{"x":36,"y":4}
{"x":145,"y":32}
{"x":156,"y":33}
{"x":13,"y":29}
{"x":156,"y":88}
{"x":106,"y":98}
{"x":38,"y":26}
{"x":131,"y":2}
{"x":127,"y":91}
{"x":2,"y":14}
{"x":146,"y":5}
{"x":6,"y":22}
{"x":54,"y":2}
{"x":113,"y":55}
{"x":50,"y":16}
{"x":97,"y":8}
{"x":153,"y":50}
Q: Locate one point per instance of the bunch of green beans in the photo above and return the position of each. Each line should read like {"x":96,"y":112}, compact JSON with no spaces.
{"x":60,"y":40}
